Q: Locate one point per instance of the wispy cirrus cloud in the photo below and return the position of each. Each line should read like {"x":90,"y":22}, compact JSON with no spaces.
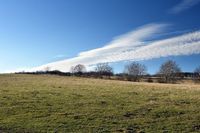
{"x":140,"y":44}
{"x":184,"y":5}
{"x":126,"y":42}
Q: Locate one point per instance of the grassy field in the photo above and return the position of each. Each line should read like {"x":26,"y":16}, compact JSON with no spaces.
{"x":43,"y":103}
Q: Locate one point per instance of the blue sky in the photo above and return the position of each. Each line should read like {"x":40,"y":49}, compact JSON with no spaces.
{"x":34,"y":33}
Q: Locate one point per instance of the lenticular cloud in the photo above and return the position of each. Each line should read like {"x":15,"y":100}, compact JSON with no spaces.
{"x":135,"y":46}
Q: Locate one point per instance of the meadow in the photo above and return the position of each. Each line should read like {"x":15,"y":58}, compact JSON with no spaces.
{"x":46,"y":103}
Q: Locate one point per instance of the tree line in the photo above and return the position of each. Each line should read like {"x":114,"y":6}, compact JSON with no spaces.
{"x":169,"y":72}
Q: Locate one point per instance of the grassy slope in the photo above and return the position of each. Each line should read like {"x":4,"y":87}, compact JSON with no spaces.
{"x":66,"y":104}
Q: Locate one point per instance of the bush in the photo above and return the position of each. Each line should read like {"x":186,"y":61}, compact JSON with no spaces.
{"x":149,"y":80}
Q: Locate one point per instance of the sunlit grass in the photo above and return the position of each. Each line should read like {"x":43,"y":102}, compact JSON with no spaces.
{"x":43,"y":103}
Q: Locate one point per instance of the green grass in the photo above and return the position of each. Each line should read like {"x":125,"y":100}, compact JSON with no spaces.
{"x":44,"y":103}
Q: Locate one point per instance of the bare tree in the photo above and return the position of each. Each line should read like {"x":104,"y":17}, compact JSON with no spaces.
{"x":197,"y":70}
{"x":104,"y":69}
{"x":78,"y":69}
{"x":169,"y":70}
{"x":197,"y":74}
{"x":72,"y":69}
{"x":135,"y":71}
{"x":47,"y":69}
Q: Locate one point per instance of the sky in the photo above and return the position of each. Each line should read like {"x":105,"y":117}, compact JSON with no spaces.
{"x":58,"y":34}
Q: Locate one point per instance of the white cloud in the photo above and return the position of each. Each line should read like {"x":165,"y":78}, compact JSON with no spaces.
{"x":182,"y":45}
{"x":133,"y":46}
{"x":184,"y":5}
